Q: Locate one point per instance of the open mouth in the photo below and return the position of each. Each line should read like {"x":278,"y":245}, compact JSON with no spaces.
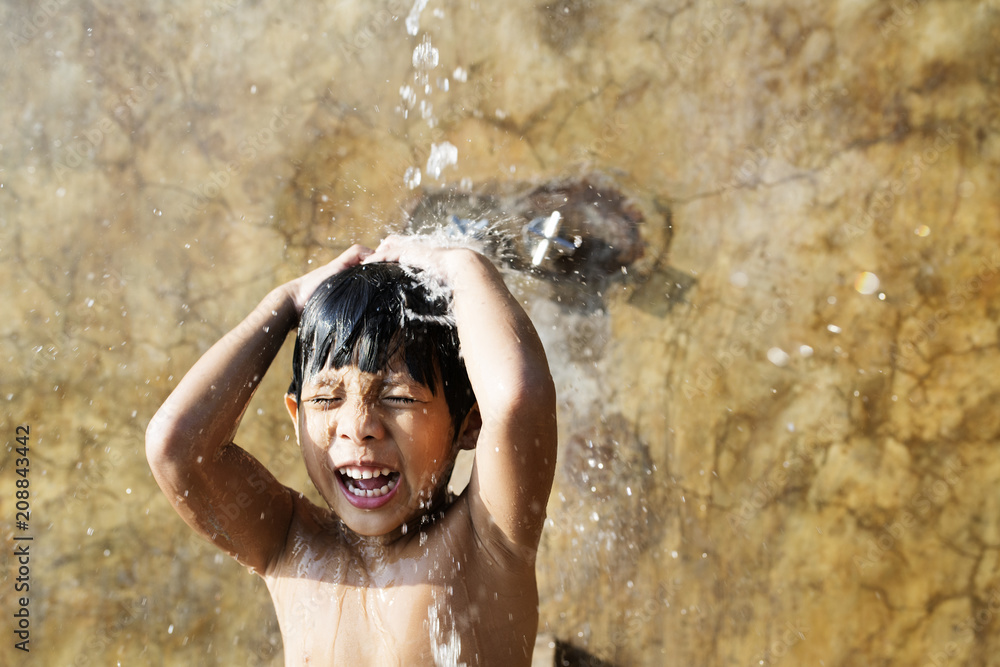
{"x":367,"y":486}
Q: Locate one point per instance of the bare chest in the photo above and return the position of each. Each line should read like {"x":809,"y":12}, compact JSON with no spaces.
{"x":323,"y":623}
{"x":437,"y":600}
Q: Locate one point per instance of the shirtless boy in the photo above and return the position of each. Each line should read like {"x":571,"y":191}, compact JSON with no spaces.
{"x":395,"y":571}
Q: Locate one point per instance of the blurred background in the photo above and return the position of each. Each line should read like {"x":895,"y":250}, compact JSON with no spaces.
{"x":778,"y":383}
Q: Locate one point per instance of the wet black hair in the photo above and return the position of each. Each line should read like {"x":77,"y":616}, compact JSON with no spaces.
{"x":370,"y":315}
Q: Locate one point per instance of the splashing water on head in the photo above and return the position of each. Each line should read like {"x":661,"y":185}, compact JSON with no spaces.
{"x":435,"y":284}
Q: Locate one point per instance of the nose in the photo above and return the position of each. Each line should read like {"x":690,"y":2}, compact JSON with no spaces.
{"x":360,"y":422}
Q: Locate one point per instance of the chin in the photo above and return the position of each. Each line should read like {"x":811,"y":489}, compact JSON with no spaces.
{"x":370,"y":528}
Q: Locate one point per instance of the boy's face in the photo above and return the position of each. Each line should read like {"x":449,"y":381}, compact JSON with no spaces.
{"x":378,"y":446}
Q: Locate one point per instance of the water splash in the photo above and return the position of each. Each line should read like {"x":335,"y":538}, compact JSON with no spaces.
{"x":413,"y":19}
{"x":425,"y":56}
{"x":412,"y":177}
{"x":442,"y":155}
{"x":446,"y":645}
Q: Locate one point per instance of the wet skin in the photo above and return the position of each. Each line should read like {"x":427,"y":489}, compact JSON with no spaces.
{"x":352,"y":423}
{"x":435,"y":592}
{"x":374,"y":579}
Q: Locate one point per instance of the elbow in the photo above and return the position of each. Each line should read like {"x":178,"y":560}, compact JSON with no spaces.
{"x":162,"y":440}
{"x":156,"y":441}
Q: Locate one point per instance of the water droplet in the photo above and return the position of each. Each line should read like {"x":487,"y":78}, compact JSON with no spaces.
{"x":408,"y":94}
{"x":425,"y":56}
{"x":442,"y":155}
{"x":411,"y":178}
{"x":866,"y":283}
{"x":777,"y":356}
{"x":413,"y":19}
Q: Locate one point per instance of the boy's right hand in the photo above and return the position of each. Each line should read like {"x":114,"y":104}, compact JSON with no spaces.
{"x":300,"y":289}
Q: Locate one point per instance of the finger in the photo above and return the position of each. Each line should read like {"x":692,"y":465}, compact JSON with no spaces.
{"x":388,"y":251}
{"x":358,"y":251}
{"x":350,"y":257}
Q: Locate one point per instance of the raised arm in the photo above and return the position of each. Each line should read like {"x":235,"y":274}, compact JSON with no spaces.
{"x":219,"y":489}
{"x":516,"y":451}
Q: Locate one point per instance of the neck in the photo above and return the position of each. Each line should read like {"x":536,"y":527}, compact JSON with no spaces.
{"x":372,"y":549}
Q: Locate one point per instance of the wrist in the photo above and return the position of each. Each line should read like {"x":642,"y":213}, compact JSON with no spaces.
{"x":283,"y":302}
{"x":459,"y":261}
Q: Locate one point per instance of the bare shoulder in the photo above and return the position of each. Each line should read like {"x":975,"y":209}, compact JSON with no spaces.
{"x":312,"y":539}
{"x":485,"y":547}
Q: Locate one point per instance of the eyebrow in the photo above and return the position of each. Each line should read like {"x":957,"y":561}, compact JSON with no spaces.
{"x":333,"y":379}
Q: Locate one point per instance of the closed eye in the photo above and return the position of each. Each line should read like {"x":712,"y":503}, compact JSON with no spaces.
{"x":400,"y":400}
{"x":324,"y":401}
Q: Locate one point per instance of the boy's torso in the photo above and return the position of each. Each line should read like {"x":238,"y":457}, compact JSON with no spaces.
{"x":436,"y":597}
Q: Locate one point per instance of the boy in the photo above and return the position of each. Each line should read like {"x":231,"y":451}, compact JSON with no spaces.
{"x":396,"y":571}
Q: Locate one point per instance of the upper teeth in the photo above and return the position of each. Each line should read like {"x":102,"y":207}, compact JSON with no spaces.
{"x":365,"y":473}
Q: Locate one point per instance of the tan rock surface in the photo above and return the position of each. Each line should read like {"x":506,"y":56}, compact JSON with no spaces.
{"x":766,"y":456}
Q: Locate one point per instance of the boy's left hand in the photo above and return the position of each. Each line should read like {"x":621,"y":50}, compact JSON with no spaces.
{"x":506,"y":363}
{"x":416,"y":251}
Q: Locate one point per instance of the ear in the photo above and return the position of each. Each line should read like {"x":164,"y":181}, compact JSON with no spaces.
{"x":468,"y":435}
{"x":293,"y":411}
